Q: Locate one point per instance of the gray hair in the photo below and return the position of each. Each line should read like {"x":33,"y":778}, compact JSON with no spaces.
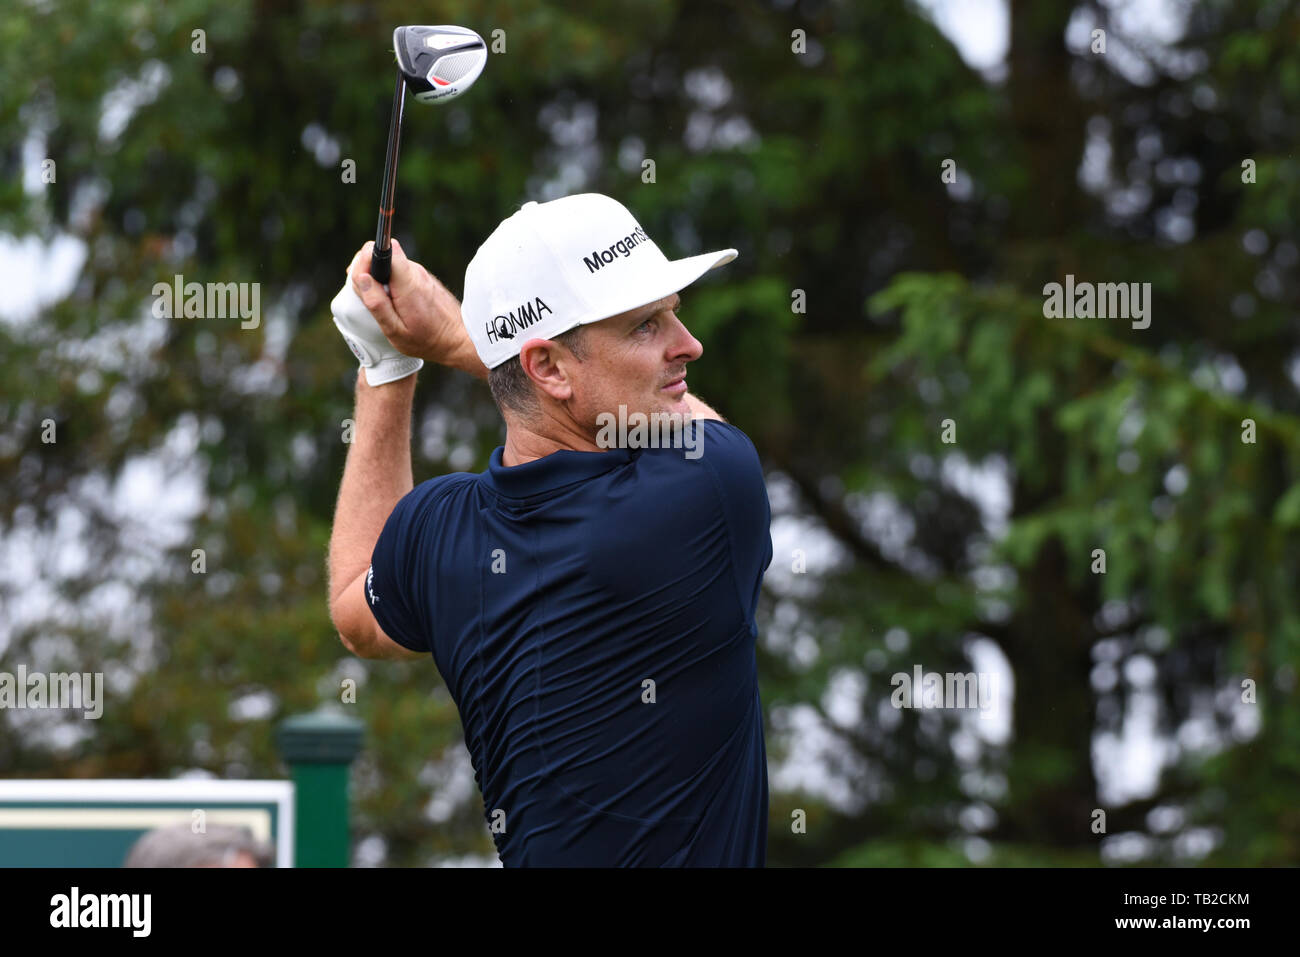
{"x":179,"y":846}
{"x":511,"y":387}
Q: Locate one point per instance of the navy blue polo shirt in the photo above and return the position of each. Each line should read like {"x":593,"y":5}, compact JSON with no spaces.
{"x":592,"y":614}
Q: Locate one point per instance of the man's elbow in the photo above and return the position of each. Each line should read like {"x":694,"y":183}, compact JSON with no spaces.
{"x":355,"y":647}
{"x":358,"y":630}
{"x":380,"y":649}
{"x":344,"y":629}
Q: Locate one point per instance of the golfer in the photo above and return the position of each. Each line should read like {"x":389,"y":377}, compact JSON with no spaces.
{"x":590,"y":608}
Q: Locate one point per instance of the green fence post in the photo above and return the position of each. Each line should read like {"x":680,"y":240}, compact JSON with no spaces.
{"x":319,"y":748}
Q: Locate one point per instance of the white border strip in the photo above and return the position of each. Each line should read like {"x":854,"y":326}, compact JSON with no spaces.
{"x":257,"y":820}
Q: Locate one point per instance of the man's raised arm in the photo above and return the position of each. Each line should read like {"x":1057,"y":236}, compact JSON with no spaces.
{"x":376,"y":476}
{"x":420,"y":318}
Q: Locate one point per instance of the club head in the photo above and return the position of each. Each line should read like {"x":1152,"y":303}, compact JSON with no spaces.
{"x":439,"y":63}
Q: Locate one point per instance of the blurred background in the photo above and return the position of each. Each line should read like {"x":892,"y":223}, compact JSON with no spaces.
{"x":1100,"y":519}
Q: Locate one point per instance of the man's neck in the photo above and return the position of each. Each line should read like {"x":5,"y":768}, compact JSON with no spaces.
{"x":524,"y":445}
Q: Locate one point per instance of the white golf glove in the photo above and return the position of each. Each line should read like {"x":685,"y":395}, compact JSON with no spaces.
{"x":381,"y":361}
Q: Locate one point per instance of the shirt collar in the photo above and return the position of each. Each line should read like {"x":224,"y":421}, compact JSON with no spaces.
{"x":560,"y":468}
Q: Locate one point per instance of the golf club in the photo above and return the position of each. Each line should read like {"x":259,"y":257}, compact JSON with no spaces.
{"x":437,"y":64}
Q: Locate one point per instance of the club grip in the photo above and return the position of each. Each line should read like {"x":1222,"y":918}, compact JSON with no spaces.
{"x":381,"y":265}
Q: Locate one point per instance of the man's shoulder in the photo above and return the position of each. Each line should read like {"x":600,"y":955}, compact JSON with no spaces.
{"x":710,"y":455}
{"x":430,"y":493}
{"x":693,"y":433}
{"x":726,"y":430}
{"x":727,"y":441}
{"x":443,"y":484}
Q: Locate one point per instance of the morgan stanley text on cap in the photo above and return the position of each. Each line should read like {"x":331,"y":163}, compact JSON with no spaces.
{"x":575,"y":260}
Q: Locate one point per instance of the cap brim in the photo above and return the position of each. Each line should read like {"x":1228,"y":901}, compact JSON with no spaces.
{"x":679,"y":274}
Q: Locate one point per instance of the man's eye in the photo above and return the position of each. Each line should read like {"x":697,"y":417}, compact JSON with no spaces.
{"x":644,"y":324}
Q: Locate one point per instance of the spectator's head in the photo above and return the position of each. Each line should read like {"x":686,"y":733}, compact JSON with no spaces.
{"x":180,"y":846}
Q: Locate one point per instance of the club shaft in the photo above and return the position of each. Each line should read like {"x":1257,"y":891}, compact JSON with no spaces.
{"x":382,"y":257}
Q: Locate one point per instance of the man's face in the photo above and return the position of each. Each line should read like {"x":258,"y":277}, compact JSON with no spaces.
{"x":637,"y":359}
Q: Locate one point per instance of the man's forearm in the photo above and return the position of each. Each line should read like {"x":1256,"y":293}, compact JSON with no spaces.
{"x":468,"y":361}
{"x":464,"y":356}
{"x":700,"y":410}
{"x":376,"y":476}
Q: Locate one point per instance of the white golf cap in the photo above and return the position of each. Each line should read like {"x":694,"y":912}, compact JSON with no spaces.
{"x":575,"y":260}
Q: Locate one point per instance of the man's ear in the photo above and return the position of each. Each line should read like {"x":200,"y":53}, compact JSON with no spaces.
{"x":546,"y":363}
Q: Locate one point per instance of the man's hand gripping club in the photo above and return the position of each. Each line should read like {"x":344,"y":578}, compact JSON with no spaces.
{"x":392,"y":330}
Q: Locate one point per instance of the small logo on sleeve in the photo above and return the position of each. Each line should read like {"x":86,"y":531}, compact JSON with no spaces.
{"x":370,"y":585}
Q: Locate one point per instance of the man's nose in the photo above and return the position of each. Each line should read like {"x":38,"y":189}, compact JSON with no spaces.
{"x":685,"y":346}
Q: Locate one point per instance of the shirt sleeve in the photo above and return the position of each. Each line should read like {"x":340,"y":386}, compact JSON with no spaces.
{"x":396,"y":584}
{"x":731,"y":458}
